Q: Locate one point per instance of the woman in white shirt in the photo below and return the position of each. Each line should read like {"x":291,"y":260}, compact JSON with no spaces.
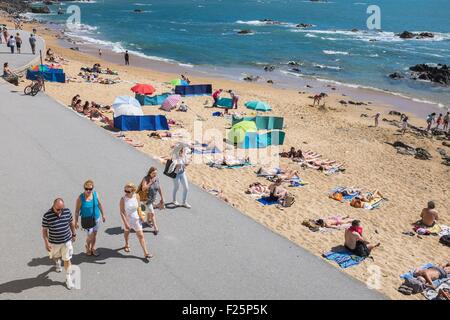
{"x":179,"y":164}
{"x":129,"y":205}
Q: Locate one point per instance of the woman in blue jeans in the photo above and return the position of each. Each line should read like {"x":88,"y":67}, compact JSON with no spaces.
{"x":89,"y":204}
{"x":179,"y":164}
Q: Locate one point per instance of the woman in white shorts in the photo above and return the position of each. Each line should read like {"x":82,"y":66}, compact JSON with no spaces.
{"x":129,"y":205}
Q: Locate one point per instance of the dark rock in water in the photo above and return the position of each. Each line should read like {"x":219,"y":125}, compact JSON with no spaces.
{"x":293,"y":63}
{"x":270,"y":81}
{"x":138,"y":10}
{"x":373,"y":40}
{"x":406,"y":35}
{"x":354,"y":30}
{"x":343,"y":102}
{"x":351,"y":102}
{"x":247,"y":31}
{"x":411,"y":35}
{"x":434,"y":73}
{"x":425,"y":35}
{"x":395,"y":75}
{"x":304,"y":25}
{"x":269,"y":68}
{"x":296,"y":70}
{"x":40,"y":9}
{"x":395,"y":113}
{"x":422,"y":154}
{"x":251,"y":78}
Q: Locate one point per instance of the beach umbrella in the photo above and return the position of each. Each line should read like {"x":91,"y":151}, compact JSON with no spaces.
{"x":143,"y":89}
{"x":238,"y":131}
{"x":126,"y":106}
{"x":258,"y":106}
{"x":171,"y":102}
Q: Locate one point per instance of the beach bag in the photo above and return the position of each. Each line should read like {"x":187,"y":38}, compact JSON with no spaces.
{"x":89,"y":222}
{"x":288,"y":201}
{"x":416,"y":285}
{"x":172,"y":174}
{"x":141,"y":214}
{"x":445,"y":240}
{"x":361,"y":250}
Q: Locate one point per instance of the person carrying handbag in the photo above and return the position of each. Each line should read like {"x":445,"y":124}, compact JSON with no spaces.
{"x":177,"y":168}
{"x":89,"y":208}
{"x":148,"y":189}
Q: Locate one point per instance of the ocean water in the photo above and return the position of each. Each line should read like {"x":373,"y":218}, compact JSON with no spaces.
{"x":204,"y":33}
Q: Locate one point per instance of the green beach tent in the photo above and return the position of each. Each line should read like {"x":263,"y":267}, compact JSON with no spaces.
{"x":238,"y":131}
{"x":258,"y":106}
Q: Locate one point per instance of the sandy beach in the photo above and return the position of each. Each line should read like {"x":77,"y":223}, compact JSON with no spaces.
{"x":336,"y":131}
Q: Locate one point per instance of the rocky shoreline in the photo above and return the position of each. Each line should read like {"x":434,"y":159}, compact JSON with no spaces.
{"x":439,"y":73}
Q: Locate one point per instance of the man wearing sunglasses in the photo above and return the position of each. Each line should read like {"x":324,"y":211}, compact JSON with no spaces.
{"x":58,"y":231}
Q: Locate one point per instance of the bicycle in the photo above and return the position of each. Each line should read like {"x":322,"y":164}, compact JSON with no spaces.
{"x":34,"y":87}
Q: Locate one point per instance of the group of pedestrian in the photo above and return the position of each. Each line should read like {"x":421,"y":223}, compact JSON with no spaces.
{"x":136,"y":207}
{"x":15,"y":42}
{"x":440,"y":121}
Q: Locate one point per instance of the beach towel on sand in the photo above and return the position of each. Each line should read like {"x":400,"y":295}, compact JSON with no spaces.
{"x":222,"y":166}
{"x":432,"y":294}
{"x":424,"y":230}
{"x":266,"y":201}
{"x":343,"y":258}
{"x":345,"y":195}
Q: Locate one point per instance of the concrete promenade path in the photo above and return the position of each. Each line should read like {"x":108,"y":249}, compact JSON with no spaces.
{"x":209,"y":252}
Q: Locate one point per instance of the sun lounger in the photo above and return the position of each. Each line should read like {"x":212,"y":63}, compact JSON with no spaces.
{"x":344,"y":258}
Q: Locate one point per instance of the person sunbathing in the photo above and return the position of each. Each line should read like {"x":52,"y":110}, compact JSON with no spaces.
{"x":290,"y":154}
{"x":258,"y":189}
{"x":333,"y":222}
{"x":165,"y":134}
{"x":429,"y":275}
{"x":355,"y":242}
{"x":268,"y":172}
{"x":277,"y":192}
{"x":288,"y":175}
{"x":429,"y":215}
{"x":74,"y":100}
{"x":78,"y":107}
{"x":232,"y":161}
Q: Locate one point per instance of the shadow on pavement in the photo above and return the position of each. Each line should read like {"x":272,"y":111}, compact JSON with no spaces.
{"x":81,"y":258}
{"x":118,"y":230}
{"x":18,"y":286}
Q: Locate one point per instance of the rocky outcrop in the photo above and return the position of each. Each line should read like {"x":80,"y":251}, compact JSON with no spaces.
{"x":438,"y":74}
{"x":411,"y":35}
{"x":40,"y":9}
{"x":418,"y":153}
{"x":14,"y":6}
{"x":396,"y":75}
{"x":304,"y":25}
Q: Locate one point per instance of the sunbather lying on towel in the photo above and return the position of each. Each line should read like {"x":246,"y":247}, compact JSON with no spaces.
{"x":429,"y":275}
{"x":277,"y":172}
{"x":259,"y":189}
{"x":333,"y":222}
{"x":165,"y":134}
{"x":355,"y":242}
{"x":362,"y":201}
{"x":228,"y":160}
{"x":277,"y":192}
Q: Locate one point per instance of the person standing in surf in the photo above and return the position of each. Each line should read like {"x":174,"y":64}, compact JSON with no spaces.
{"x":127,"y":58}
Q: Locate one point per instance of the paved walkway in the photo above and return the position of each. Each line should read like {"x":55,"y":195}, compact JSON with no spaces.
{"x":209,"y":252}
{"x":17,"y":61}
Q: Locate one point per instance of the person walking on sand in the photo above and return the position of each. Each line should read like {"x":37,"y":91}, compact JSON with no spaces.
{"x":127,"y":58}
{"x":32,"y":41}
{"x":149,"y":187}
{"x":404,"y":124}
{"x":355,"y":242}
{"x":89,"y":206}
{"x":12,"y":43}
{"x":18,"y":42}
{"x":377,"y":117}
{"x":129,"y":207}
{"x":178,"y":166}
{"x":100,"y":53}
{"x":58,"y":231}
{"x":446,"y":121}
{"x":430,"y":120}
{"x":439,"y":121}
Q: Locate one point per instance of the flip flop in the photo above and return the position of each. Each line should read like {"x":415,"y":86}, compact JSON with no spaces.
{"x":148,"y":256}
{"x":88,"y":252}
{"x":95,"y":253}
